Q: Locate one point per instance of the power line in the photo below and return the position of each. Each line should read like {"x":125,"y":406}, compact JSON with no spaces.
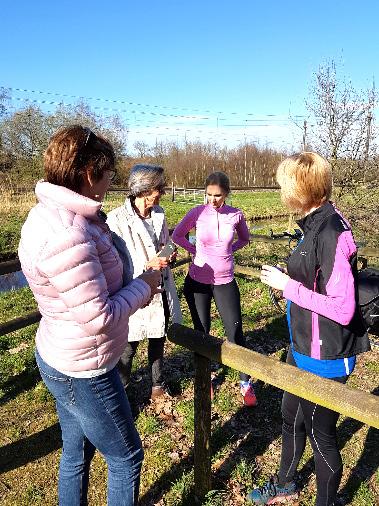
{"x":137,"y":104}
{"x":283,"y":122}
{"x":215,"y":127}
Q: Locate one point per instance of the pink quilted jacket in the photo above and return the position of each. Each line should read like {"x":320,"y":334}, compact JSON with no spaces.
{"x":75,"y":273}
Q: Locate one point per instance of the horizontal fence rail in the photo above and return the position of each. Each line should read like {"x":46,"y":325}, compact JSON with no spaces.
{"x":14,"y":266}
{"x":19,"y":323}
{"x":9,"y":267}
{"x":348,"y":401}
{"x":351,"y":402}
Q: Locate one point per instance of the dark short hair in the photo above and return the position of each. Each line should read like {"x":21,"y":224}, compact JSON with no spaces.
{"x":219,"y":178}
{"x":74,"y":150}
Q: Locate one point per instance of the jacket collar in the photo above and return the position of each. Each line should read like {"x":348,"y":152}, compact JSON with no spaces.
{"x":157,"y":216}
{"x":316,"y":217}
{"x":55,"y":196}
{"x":224,"y":209}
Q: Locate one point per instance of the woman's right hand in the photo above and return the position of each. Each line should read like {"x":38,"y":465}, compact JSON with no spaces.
{"x":153,"y":279}
{"x":274,"y":277}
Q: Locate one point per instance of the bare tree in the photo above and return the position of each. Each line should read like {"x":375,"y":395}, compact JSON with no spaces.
{"x":4,"y":97}
{"x":344,"y":130}
{"x":5,"y":158}
{"x":142,"y":148}
{"x":344,"y":133}
{"x":24,"y":137}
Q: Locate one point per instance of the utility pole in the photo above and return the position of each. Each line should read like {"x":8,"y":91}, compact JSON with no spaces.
{"x":305,"y":135}
{"x":367,"y":145}
{"x":368,"y":136}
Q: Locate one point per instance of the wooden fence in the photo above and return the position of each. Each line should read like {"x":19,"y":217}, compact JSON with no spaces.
{"x":196,"y":194}
{"x":348,"y":401}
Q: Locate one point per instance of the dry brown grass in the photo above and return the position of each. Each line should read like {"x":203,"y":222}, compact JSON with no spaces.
{"x":14,"y":199}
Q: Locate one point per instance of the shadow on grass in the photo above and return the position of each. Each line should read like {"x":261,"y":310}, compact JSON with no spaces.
{"x":253,"y":429}
{"x":20,"y":383}
{"x":368,"y":462}
{"x":30,"y":448}
{"x":177,"y":369}
{"x":269,"y":339}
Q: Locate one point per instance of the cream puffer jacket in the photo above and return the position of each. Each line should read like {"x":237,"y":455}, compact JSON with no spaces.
{"x":148,"y":322}
{"x":76,"y":276}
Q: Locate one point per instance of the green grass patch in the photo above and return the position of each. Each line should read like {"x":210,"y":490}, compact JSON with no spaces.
{"x":226,"y":401}
{"x":181,"y":492}
{"x":148,"y":425}
{"x":245,"y":443}
{"x":185,"y":409}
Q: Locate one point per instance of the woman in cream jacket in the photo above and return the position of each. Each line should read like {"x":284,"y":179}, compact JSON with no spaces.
{"x":141,"y":225}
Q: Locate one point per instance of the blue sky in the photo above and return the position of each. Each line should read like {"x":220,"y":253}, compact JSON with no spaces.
{"x":195,"y":66}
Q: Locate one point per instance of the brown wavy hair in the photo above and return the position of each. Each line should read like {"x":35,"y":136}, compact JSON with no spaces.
{"x":72,"y":152}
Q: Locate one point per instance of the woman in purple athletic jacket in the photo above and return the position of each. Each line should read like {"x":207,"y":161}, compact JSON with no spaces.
{"x":325,"y":328}
{"x":211,"y":273}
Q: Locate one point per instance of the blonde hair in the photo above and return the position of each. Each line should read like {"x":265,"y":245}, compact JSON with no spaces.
{"x":305,"y":180}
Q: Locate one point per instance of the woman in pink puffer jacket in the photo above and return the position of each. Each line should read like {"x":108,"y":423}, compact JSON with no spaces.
{"x":85,"y":299}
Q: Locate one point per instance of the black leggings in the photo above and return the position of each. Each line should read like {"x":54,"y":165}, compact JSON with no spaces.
{"x":302,"y":418}
{"x":227,"y":299}
{"x":154,"y":353}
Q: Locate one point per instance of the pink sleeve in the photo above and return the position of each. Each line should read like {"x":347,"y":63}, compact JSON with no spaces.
{"x":242,"y":233}
{"x":73,"y":267}
{"x":179,"y":234}
{"x":339,"y":302}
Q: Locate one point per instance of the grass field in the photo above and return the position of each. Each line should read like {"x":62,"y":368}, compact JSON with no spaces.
{"x":14,"y":209}
{"x":245,"y":443}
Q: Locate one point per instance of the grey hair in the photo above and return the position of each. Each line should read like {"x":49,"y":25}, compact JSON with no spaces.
{"x":145,"y":178}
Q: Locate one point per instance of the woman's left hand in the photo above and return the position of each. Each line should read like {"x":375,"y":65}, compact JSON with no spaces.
{"x":156,"y":263}
{"x":274,"y":277}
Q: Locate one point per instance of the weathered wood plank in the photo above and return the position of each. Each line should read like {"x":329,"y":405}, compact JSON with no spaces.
{"x":351,"y":402}
{"x":19,"y":323}
{"x":202,"y":432}
{"x":10,"y":266}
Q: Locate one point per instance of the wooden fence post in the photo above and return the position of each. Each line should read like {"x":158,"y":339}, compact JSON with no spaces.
{"x":290,"y":222}
{"x":172,"y":192}
{"x":202,"y":432}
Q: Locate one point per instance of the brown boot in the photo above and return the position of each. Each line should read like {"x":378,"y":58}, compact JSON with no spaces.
{"x":158,"y":391}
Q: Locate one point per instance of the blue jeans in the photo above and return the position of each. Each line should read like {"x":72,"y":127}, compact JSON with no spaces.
{"x":95,"y":413}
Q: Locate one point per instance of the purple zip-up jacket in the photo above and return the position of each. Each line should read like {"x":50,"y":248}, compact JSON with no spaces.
{"x":213,"y":254}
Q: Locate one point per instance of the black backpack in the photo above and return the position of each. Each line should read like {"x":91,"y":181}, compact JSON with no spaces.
{"x":367,"y":290}
{"x":368,"y":295}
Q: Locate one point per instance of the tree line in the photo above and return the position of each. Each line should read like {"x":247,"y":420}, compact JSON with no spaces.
{"x":340,"y":125}
{"x":24,"y":135}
